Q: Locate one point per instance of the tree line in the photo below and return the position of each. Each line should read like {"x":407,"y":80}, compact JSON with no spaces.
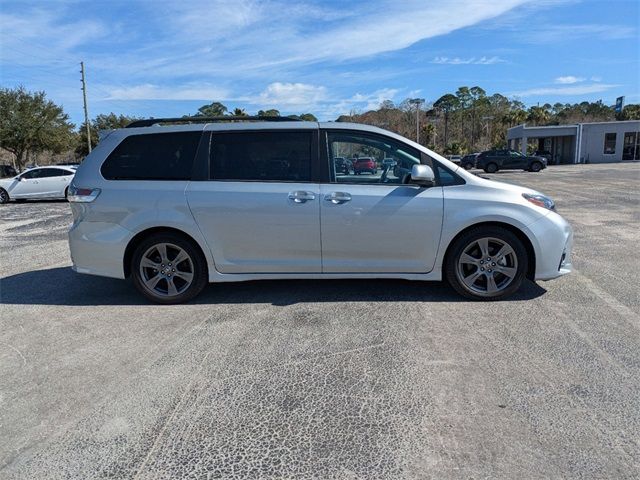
{"x":470,"y":120}
{"x":31,"y":126}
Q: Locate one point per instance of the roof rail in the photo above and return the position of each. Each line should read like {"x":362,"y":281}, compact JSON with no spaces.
{"x":229,"y":118}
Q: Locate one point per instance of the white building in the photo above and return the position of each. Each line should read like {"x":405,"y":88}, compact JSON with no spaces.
{"x":599,"y":142}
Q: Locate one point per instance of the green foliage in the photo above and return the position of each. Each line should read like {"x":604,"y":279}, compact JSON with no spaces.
{"x":269,"y":113}
{"x":470,"y":121}
{"x":309,"y":117}
{"x":630,"y":112}
{"x":29,"y":123}
{"x":214,"y":109}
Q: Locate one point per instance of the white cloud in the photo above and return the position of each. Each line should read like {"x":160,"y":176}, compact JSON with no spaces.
{"x":569,"y":79}
{"x":149,"y":91}
{"x":467,"y":61}
{"x":290,"y":95}
{"x":571,"y":90}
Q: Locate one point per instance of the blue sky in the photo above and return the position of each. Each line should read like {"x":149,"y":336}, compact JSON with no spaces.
{"x":167,"y":58}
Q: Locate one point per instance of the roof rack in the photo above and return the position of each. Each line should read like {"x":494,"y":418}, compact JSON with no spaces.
{"x":229,"y":118}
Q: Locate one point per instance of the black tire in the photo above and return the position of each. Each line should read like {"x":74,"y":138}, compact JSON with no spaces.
{"x":453,"y":273}
{"x":198,"y":264}
{"x":4,"y":196}
{"x":467,"y":166}
{"x":491,"y":168}
{"x":535,"y":167}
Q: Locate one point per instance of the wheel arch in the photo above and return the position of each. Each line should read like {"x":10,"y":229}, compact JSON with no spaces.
{"x":522,"y":236}
{"x":144,"y":234}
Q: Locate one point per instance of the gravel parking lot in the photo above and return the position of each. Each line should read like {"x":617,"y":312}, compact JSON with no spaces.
{"x":327,"y":379}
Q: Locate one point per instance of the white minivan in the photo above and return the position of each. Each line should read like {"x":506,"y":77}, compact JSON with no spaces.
{"x":177,"y":203}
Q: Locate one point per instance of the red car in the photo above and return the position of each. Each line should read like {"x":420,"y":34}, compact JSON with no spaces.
{"x":364,"y":164}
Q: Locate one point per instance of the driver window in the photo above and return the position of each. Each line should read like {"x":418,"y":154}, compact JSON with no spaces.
{"x":370,"y":159}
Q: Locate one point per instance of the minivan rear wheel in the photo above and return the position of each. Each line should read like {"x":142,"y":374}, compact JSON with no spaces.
{"x":4,"y":196}
{"x":486,"y":263}
{"x":167,"y":268}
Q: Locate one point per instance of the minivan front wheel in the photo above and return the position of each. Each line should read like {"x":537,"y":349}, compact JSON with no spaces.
{"x":487,"y":263}
{"x":167,"y":268}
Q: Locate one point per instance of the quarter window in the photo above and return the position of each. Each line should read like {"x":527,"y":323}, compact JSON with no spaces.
{"x":610,"y":143}
{"x":261,"y":156}
{"x":156,"y":156}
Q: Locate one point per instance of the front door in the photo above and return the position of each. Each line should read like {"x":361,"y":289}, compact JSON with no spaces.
{"x":260,"y":212}
{"x":27,"y":185}
{"x":377,"y":223}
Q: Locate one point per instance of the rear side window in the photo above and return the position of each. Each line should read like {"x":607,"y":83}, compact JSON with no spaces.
{"x":261,"y":156}
{"x":157,"y":156}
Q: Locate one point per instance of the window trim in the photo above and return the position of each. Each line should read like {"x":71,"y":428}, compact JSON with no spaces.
{"x":314,"y":167}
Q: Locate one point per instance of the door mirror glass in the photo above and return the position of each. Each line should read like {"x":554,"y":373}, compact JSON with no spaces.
{"x":422,"y":175}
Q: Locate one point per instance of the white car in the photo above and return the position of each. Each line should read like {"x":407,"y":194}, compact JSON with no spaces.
{"x":37,"y":183}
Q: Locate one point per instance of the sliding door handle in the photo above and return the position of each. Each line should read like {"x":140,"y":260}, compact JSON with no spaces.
{"x":300,"y":196}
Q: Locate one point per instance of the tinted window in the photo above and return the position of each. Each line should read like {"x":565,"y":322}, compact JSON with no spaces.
{"x":261,"y":156}
{"x":158,"y":156}
{"x":33,"y":173}
{"x":55,"y":172}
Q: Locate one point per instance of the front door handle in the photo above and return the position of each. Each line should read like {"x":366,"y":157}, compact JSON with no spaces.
{"x":338,"y":197}
{"x":300,"y":196}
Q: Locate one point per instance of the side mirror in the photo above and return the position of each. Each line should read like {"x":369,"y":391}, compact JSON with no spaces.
{"x":423,"y":175}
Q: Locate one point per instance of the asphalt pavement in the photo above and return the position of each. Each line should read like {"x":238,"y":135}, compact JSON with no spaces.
{"x":327,"y":379}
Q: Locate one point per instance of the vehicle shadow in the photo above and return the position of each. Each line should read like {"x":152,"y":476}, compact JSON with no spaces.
{"x":62,"y":286}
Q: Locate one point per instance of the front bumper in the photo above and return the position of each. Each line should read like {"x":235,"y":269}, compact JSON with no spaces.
{"x":554,"y":238}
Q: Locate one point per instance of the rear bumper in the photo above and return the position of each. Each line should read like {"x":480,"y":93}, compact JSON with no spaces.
{"x":97,"y":248}
{"x":554,"y":237}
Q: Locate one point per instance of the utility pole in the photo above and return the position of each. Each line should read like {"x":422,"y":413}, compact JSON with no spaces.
{"x":417,"y":102}
{"x":86,"y":110}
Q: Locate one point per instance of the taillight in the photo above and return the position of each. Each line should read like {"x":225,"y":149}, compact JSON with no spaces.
{"x":82,"y":195}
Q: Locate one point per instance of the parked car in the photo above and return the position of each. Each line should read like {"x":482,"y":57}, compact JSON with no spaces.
{"x":469,"y":161}
{"x":37,"y":183}
{"x":147,"y":206}
{"x":493,"y":160}
{"x":364,"y":164}
{"x":343,"y":165}
{"x":454,"y":158}
{"x":7,"y":171}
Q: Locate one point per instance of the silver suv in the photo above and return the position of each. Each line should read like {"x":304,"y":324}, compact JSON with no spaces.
{"x":175,"y":206}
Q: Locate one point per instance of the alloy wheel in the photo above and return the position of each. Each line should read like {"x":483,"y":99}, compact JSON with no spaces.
{"x":166,"y":270}
{"x":487,"y":266}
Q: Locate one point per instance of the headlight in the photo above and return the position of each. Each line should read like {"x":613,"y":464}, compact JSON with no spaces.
{"x":540,"y":200}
